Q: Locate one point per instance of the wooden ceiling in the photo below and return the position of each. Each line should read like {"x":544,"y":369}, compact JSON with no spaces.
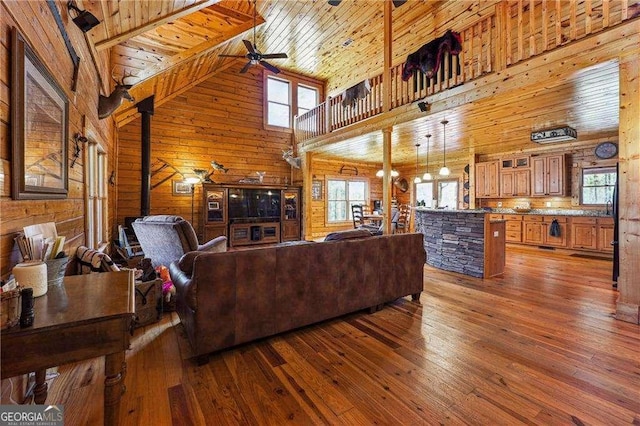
{"x":169,"y":46}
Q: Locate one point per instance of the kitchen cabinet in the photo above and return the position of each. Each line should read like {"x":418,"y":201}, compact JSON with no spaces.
{"x":555,"y":240}
{"x":537,"y":231}
{"x":605,"y":234}
{"x":584,"y":233}
{"x":513,"y":232}
{"x":515,"y":183}
{"x":549,"y":177}
{"x":487,"y":179}
{"x":533,"y":233}
{"x":517,"y":162}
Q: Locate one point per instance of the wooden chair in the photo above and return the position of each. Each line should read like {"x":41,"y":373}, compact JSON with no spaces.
{"x":357,"y":212}
{"x":404,"y":219}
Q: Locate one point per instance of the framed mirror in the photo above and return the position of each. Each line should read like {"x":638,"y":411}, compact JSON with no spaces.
{"x":39,"y":123}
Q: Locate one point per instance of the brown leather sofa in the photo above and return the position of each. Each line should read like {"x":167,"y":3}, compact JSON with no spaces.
{"x":225,"y":299}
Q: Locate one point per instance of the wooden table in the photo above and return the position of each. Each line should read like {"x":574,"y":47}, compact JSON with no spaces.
{"x":374,"y":218}
{"x":85,"y":317}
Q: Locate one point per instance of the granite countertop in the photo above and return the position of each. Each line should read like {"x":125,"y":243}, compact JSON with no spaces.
{"x":548,"y":212}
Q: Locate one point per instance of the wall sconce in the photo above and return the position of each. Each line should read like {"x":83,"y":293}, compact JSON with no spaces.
{"x":77,"y":138}
{"x":85,"y":20}
{"x":424,"y":107}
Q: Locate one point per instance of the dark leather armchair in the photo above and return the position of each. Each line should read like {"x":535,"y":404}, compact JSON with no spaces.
{"x":164,"y":239}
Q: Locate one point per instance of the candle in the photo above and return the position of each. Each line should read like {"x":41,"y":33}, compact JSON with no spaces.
{"x":32,"y":274}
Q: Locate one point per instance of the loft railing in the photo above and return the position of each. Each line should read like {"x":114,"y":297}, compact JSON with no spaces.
{"x":518,"y":31}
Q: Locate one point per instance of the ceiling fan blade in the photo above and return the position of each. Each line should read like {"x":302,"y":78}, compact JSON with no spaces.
{"x":245,"y":68}
{"x":275,"y":56}
{"x":232,"y":56}
{"x":398,"y":3}
{"x":249,"y":46}
{"x":270,"y":67}
{"x":334,"y":2}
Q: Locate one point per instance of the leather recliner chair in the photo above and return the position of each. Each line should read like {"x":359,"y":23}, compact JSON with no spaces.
{"x":164,"y":239}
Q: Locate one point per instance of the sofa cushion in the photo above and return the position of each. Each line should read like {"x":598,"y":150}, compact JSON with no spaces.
{"x":348,"y":234}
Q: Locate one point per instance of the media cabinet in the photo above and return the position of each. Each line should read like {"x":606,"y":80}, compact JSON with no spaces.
{"x":251,"y":214}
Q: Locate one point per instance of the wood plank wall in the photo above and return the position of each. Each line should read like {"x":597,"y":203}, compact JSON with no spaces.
{"x":220,"y":119}
{"x":35,"y":21}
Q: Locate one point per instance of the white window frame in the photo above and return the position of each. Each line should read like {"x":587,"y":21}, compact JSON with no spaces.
{"x":294,"y":81}
{"x":436,"y":191}
{"x":347,"y":201}
{"x":96,"y":199}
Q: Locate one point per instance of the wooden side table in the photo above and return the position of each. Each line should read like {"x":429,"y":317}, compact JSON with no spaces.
{"x":85,"y":317}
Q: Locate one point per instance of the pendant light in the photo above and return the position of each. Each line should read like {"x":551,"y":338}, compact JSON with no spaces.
{"x":444,"y":171}
{"x":417,"y":178}
{"x":427,"y":175}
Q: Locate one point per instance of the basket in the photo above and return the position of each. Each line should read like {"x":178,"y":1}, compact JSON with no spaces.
{"x":11,"y":307}
{"x":55,"y":270}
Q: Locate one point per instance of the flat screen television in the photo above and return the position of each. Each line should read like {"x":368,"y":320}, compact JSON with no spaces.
{"x":254,"y":204}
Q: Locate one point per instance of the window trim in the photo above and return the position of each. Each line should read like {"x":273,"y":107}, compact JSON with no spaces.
{"x":367,"y":199}
{"x":96,"y":195}
{"x":294,"y":81}
{"x":436,"y":190}
{"x":581,"y":182}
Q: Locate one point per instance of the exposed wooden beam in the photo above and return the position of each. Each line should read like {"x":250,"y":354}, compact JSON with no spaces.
{"x":110,"y":42}
{"x":196,"y":51}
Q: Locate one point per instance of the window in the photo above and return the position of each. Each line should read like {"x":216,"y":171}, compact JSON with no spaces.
{"x":597,"y":185}
{"x":448,"y":194}
{"x":96,"y":196}
{"x":278,"y":101}
{"x":307,"y":99}
{"x":287,"y":96}
{"x":424,"y":194}
{"x":341,"y":195}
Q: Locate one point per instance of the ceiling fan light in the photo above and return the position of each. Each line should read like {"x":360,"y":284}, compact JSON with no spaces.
{"x":427,"y":176}
{"x":417,"y":179}
{"x":394,"y":173}
{"x":445,"y":171}
{"x":380,"y":173}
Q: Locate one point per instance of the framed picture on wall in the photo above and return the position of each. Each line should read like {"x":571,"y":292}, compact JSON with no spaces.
{"x":182,"y":187}
{"x":39,"y":117}
{"x":316,"y":190}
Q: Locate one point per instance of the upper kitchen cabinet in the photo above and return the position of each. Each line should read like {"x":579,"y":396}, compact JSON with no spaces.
{"x":549,"y":177}
{"x":487,"y":179}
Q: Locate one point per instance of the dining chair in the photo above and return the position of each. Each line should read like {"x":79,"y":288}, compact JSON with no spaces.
{"x":404,"y":219}
{"x":359,"y":223}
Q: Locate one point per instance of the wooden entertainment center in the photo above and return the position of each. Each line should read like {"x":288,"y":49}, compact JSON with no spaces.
{"x":251,"y":214}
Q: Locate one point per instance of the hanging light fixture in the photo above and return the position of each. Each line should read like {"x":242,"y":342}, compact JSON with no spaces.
{"x":444,"y":171}
{"x":417,"y":178}
{"x":427,"y":175}
{"x":394,"y":173}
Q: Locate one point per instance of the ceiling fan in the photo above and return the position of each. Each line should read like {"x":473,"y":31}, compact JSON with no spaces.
{"x":396,"y":3}
{"x":253,"y":55}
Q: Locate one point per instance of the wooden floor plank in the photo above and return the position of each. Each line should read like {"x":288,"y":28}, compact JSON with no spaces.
{"x":538,"y":345}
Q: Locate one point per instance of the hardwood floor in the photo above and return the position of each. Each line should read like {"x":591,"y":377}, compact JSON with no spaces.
{"x":539,"y":345}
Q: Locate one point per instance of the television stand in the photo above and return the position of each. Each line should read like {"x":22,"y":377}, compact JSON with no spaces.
{"x":242,"y":234}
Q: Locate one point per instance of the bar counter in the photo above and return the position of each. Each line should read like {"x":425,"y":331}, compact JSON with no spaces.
{"x":463,"y":241}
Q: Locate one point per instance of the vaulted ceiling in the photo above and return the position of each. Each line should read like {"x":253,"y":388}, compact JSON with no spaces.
{"x":169,"y":46}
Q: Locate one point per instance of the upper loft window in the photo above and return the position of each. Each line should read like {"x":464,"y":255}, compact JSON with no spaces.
{"x":597,"y":185}
{"x":287,"y":96}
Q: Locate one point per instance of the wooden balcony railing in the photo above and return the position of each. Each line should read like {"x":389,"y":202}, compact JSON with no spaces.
{"x":518,"y":31}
